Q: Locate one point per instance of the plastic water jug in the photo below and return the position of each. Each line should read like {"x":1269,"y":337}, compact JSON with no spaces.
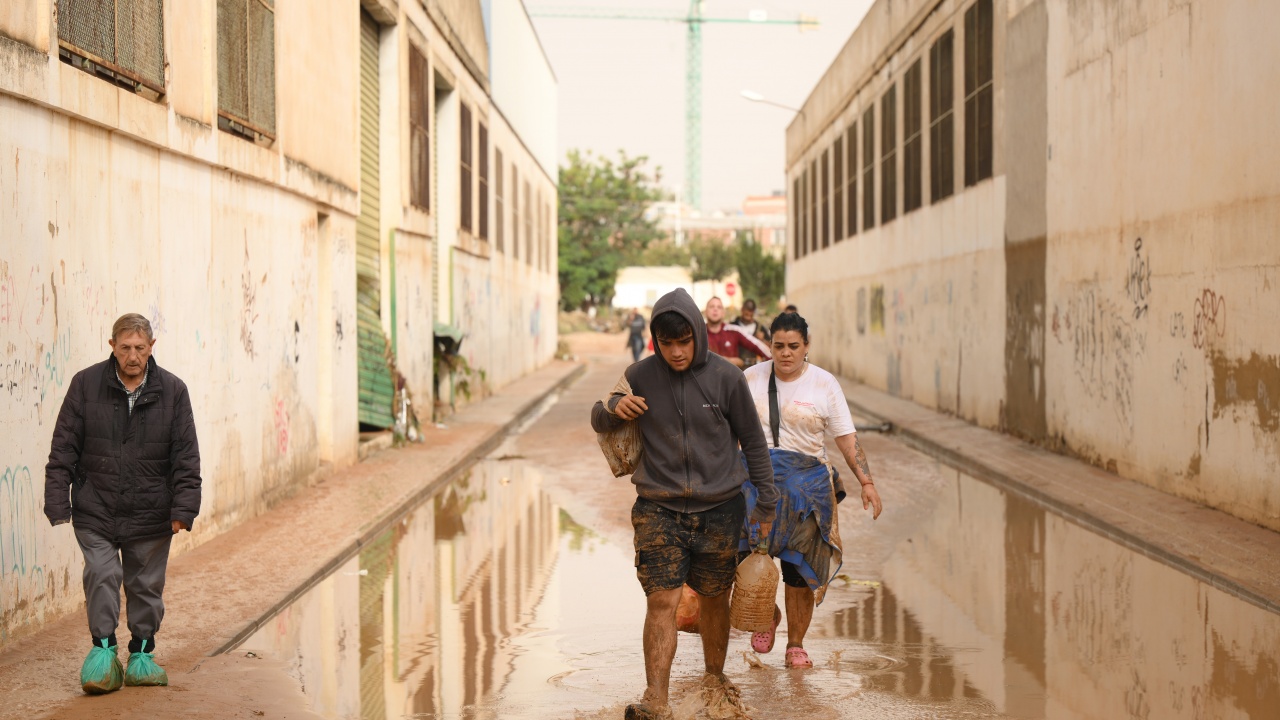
{"x":755,"y":589}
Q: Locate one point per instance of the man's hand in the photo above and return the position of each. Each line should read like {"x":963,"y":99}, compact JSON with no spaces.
{"x":178,"y":525}
{"x":871,"y":498}
{"x":630,"y":407}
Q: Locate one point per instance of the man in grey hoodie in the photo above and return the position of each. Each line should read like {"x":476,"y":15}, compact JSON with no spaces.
{"x":693,"y":409}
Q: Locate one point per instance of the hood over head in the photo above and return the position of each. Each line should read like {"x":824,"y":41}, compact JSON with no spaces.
{"x":678,"y":301}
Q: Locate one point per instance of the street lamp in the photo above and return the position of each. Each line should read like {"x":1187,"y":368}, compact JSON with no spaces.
{"x":754,"y":96}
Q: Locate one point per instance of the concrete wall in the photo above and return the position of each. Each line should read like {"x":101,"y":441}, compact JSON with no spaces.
{"x":523,"y":80}
{"x":1105,"y":292}
{"x":242,"y":254}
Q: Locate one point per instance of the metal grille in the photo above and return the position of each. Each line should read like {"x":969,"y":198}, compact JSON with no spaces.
{"x":483,"y":162}
{"x":246,"y":64}
{"x":419,"y":129}
{"x":124,"y":36}
{"x":465,"y":171}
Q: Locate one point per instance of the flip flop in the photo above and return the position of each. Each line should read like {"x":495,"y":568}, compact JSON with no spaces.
{"x":798,"y":658}
{"x":762,"y":642}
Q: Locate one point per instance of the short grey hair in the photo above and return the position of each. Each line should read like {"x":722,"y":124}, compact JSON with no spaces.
{"x":131,"y":322}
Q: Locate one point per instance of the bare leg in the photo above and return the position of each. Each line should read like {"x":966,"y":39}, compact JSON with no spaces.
{"x":713,"y":624}
{"x":660,"y":644}
{"x":799,"y":614}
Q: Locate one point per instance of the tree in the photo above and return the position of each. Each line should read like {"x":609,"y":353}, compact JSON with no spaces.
{"x":665,"y":252}
{"x":603,"y":223}
{"x":713,"y":259}
{"x":762,"y":276}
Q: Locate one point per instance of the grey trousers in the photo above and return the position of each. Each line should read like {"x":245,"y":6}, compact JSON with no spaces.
{"x":140,"y":565}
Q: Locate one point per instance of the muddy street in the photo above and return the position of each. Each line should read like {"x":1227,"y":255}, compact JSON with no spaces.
{"x":511,"y":594}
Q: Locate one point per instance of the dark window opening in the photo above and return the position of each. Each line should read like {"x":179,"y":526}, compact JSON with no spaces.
{"x":796,"y":217}
{"x":515,"y":211}
{"x":419,"y":130}
{"x":978,"y":89}
{"x":889,"y":154}
{"x":482,"y":159}
{"x":851,"y":177}
{"x":499,"y":205}
{"x":465,"y":156}
{"x":837,"y":203}
{"x":868,"y":169}
{"x":813,"y":206}
{"x":247,"y":68}
{"x":913,"y":140}
{"x":942,"y":135}
{"x":825,"y":208}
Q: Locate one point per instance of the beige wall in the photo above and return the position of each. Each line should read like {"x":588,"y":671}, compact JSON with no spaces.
{"x":1106,"y":292}
{"x":241,"y":253}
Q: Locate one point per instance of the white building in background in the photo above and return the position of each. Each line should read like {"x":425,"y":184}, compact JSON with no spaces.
{"x":294,"y":192}
{"x":640,"y":286}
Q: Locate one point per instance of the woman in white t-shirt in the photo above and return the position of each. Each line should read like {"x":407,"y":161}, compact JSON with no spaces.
{"x":811,"y":406}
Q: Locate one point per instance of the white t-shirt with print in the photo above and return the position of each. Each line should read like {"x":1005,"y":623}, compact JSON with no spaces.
{"x":813,"y":408}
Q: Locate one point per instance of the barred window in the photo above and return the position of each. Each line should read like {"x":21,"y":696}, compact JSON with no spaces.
{"x":499,"y":206}
{"x":913,"y":140}
{"x":247,"y":67}
{"x":797,"y":218}
{"x":528,"y":225}
{"x":825,"y":208}
{"x":419,"y":130}
{"x":122,"y":40}
{"x":977,"y":92}
{"x":851,"y":177}
{"x":814,"y":228}
{"x":889,"y":154}
{"x":483,"y":161}
{"x":868,"y":169}
{"x":942,"y":135}
{"x":515,"y":211}
{"x":464,"y":173}
{"x":837,"y":186}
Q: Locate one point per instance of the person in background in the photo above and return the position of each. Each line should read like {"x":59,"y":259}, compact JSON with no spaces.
{"x":753,"y":327}
{"x":635,"y":340}
{"x":727,"y":340}
{"x":790,"y":308}
{"x":693,"y":411}
{"x":124,"y":470}
{"x":810,"y":407}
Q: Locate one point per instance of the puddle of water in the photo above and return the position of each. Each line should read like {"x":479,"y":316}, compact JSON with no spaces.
{"x":489,"y":601}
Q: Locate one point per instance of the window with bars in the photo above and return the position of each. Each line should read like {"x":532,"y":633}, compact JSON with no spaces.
{"x":499,"y":206}
{"x":913,"y":139}
{"x":942,"y":132}
{"x":851,"y":177}
{"x":889,"y":154}
{"x":419,"y":130}
{"x":796,"y":218}
{"x":548,"y":235}
{"x":814,"y":228}
{"x":247,"y":67}
{"x":978,"y":88}
{"x":121,"y":41}
{"x":837,"y":186}
{"x":868,"y":169}
{"x":515,"y":211}
{"x":528,"y":225}
{"x":825,"y":207}
{"x":465,"y":149}
{"x":482,"y":159}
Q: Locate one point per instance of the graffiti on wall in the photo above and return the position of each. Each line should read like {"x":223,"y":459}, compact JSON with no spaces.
{"x":20,"y":511}
{"x":1107,"y":349}
{"x":1210,"y":318}
{"x":862,"y":311}
{"x":1137,"y":285}
{"x":877,"y":309}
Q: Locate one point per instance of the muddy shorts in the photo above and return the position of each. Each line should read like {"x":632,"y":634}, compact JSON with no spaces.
{"x":674,"y":548}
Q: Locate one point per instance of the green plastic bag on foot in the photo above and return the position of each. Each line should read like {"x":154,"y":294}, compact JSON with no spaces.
{"x":101,"y":672}
{"x":143,"y":669}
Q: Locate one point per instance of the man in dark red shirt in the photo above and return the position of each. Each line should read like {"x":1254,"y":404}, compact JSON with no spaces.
{"x":726,"y":340}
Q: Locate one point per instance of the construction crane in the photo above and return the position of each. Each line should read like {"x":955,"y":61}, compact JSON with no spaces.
{"x":693,"y":68}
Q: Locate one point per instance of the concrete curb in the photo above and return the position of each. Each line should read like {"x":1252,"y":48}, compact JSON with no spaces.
{"x":975,"y":467}
{"x":393,"y":515}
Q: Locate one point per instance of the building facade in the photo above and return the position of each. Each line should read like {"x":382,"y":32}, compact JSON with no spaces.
{"x":1039,"y":215}
{"x":294,"y":192}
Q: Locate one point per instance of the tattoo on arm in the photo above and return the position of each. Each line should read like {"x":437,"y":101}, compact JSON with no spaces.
{"x":861,"y":459}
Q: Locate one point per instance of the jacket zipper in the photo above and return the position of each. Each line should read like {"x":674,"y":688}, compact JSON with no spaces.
{"x":684,"y":436}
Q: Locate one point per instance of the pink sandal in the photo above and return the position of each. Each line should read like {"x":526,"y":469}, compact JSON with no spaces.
{"x":762,"y":642}
{"x":798,"y":658}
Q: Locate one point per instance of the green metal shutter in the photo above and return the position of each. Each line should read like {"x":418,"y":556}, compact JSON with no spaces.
{"x":377,"y":391}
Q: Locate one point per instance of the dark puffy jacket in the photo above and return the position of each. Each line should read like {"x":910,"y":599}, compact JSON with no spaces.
{"x":124,"y":476}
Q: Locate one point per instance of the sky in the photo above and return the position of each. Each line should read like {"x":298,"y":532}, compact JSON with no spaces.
{"x":622,"y":85}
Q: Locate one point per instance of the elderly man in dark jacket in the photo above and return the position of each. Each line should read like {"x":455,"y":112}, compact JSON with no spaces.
{"x":124,"y":469}
{"x":693,"y":409}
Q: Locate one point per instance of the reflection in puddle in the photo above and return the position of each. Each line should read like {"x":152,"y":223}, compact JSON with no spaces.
{"x":489,"y":601}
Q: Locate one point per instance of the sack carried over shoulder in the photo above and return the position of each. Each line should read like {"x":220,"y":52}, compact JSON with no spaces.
{"x":621,"y":446}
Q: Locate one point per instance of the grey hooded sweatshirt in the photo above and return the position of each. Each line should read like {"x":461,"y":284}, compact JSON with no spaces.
{"x":693,"y":427}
